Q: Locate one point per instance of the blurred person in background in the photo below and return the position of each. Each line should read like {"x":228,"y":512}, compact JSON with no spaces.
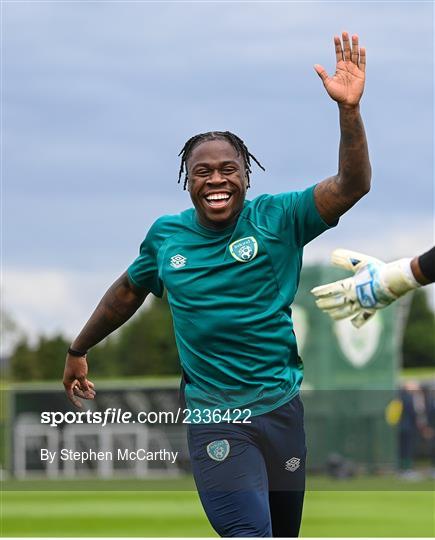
{"x":428,"y":431}
{"x":412,"y":421}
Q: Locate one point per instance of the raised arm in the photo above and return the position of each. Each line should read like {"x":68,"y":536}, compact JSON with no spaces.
{"x":119,"y":303}
{"x":335,"y":195}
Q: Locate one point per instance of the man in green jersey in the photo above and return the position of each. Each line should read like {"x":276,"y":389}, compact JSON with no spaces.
{"x":231,"y":269}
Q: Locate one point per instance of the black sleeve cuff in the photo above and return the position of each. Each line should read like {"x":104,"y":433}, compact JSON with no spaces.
{"x":427,"y":264}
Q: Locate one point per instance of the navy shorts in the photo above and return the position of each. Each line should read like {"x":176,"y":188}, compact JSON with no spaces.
{"x":251,"y":477}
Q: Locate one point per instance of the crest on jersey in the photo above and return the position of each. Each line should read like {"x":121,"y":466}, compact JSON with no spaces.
{"x":218,"y":450}
{"x":245,"y":249}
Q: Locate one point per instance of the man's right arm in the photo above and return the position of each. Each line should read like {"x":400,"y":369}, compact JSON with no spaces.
{"x":118,"y":304}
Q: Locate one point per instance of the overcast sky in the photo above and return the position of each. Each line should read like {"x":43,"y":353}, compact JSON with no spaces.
{"x":99,"y":97}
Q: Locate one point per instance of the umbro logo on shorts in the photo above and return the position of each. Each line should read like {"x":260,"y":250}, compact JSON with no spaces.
{"x":178,"y":261}
{"x":292,"y":464}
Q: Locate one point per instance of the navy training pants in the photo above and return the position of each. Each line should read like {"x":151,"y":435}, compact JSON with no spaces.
{"x":251,"y":477}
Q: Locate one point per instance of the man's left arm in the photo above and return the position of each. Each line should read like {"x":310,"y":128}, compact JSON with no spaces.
{"x":335,"y":195}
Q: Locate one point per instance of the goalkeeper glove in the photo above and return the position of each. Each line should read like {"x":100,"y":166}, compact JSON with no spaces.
{"x":374,"y":286}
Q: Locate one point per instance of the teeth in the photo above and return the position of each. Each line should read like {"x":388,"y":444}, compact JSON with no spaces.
{"x":217,"y":196}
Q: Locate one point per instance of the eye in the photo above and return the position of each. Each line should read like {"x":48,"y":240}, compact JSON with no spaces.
{"x":228,"y":170}
{"x":202,"y":172}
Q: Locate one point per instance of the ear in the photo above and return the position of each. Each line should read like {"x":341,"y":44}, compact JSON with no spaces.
{"x":245,"y":175}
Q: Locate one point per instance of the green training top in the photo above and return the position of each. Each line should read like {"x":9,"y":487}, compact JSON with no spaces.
{"x":230,"y":293}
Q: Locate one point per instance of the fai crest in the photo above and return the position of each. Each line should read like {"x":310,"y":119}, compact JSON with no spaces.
{"x":245,"y":249}
{"x":218,"y":450}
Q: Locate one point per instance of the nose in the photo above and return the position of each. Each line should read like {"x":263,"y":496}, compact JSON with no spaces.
{"x":216,"y":178}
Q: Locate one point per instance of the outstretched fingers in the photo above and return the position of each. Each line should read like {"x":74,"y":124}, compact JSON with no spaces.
{"x":344,"y":51}
{"x":362,"y":59}
{"x":355,"y":49}
{"x":338,"y":49}
{"x":321,"y":72}
{"x":330,"y":302}
{"x":346,"y":47}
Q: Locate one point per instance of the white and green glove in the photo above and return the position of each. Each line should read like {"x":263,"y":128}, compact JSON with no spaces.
{"x":374,"y":286}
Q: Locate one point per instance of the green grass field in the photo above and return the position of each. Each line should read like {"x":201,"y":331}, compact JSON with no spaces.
{"x":361,"y":507}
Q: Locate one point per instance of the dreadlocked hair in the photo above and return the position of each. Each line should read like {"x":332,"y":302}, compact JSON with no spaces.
{"x":235,"y":141}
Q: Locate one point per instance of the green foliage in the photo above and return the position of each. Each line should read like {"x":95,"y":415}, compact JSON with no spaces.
{"x":45,"y":361}
{"x":143,"y":346}
{"x":22,"y":365}
{"x":103,"y":359}
{"x":148,"y":343}
{"x":419,"y":337}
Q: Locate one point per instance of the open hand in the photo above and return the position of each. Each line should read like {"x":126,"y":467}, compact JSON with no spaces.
{"x":374,"y":286}
{"x":346,"y":86}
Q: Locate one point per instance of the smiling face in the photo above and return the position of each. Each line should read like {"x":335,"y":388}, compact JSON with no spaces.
{"x":217,"y":183}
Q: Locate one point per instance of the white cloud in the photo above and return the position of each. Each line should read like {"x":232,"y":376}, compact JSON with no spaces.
{"x":50,"y":301}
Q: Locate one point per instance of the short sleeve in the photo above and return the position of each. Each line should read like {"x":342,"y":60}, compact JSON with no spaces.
{"x":300,"y":219}
{"x":144,"y":272}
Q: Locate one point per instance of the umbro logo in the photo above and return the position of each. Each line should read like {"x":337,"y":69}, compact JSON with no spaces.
{"x":178,"y":261}
{"x":292,"y":464}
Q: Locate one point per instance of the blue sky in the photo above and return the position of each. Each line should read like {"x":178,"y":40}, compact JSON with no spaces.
{"x":99,"y":97}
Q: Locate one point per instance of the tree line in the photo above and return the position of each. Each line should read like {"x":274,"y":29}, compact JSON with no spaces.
{"x":146,"y":346}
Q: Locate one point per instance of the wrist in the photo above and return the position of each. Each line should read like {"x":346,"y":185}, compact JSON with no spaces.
{"x":348,"y":108}
{"x":417,"y":272}
{"x":399,"y":278}
{"x":78,"y":353}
